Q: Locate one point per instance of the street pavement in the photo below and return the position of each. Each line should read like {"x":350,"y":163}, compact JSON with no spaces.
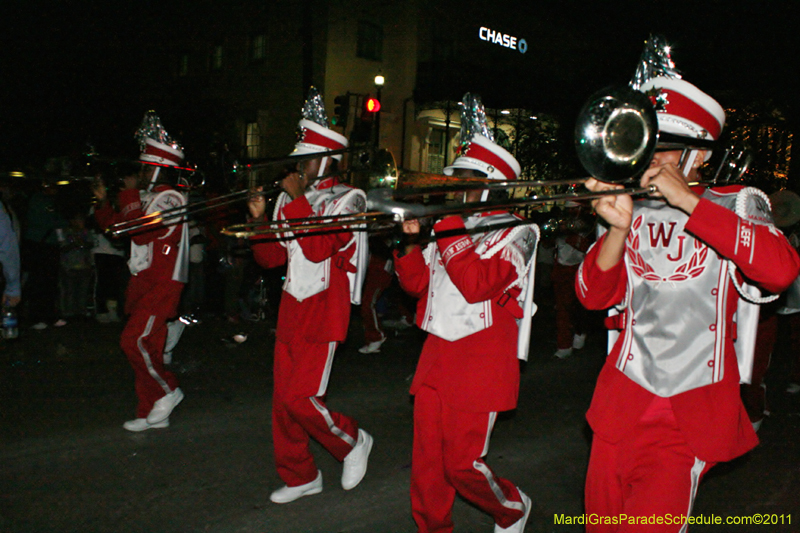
{"x":66,"y":464}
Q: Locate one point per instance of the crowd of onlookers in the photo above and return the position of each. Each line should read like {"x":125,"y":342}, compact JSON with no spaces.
{"x":71,"y":270}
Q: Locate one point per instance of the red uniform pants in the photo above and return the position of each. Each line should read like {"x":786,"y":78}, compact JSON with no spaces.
{"x":754,"y":394}
{"x":143,"y":339}
{"x":376,"y":282}
{"x":448,"y":451}
{"x":301,"y":373}
{"x":651,"y":472}
{"x":570,"y":314}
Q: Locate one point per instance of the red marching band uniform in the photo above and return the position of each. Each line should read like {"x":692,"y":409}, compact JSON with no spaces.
{"x":159,"y":268}
{"x":475,"y":301}
{"x":324,"y":276}
{"x":666,"y":406}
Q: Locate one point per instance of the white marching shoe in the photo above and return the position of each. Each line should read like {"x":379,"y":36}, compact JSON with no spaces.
{"x":519,"y":525}
{"x":579,"y":341}
{"x":164,"y":406}
{"x":563,"y":353}
{"x":372,"y":347}
{"x":288,"y":494}
{"x":401,"y":324}
{"x":141,"y":424}
{"x":355,"y":464}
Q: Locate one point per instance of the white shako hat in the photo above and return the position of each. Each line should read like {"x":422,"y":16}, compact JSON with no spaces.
{"x":161,"y":154}
{"x":478,"y":150}
{"x":482,"y":154}
{"x":683,"y":109}
{"x":157,"y":147}
{"x":315,"y":138}
{"x":313,"y":132}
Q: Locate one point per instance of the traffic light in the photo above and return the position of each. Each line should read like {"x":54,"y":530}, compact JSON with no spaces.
{"x":372,"y":105}
{"x":341,"y":110}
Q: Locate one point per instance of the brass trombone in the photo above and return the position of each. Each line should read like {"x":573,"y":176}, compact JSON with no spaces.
{"x":616,"y":136}
{"x":383,"y":211}
{"x":176,"y":215}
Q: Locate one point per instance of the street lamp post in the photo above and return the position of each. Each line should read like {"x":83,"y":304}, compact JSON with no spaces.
{"x":379,"y":81}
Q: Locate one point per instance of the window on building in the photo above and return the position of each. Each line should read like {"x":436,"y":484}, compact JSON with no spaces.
{"x":370,"y":41}
{"x":253,"y":140}
{"x":258,"y":47}
{"x":216,"y":57}
{"x":436,"y":150}
{"x":183,"y":65}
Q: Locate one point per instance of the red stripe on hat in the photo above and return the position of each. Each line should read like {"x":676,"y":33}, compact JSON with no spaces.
{"x":312,"y":137}
{"x":682,"y":106}
{"x":158,"y":152}
{"x":481,"y":153}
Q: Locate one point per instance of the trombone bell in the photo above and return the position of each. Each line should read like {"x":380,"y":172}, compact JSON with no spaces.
{"x":616,"y":134}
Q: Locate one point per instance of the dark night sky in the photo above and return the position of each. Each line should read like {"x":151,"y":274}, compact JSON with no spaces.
{"x":68,"y":67}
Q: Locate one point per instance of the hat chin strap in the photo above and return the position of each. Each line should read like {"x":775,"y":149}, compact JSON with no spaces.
{"x":689,"y":161}
{"x":323,"y":164}
{"x":484,"y":196}
{"x":153,"y":179}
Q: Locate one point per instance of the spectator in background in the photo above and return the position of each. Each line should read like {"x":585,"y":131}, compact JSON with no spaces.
{"x":11,"y":199}
{"x":786,"y":210}
{"x":111,"y":278}
{"x":786,"y":213}
{"x":194,"y":292}
{"x":9,"y":258}
{"x":790,"y":316}
{"x":378,"y":279}
{"x":75,"y":242}
{"x":40,"y":255}
{"x":574,"y":236}
{"x":111,"y":270}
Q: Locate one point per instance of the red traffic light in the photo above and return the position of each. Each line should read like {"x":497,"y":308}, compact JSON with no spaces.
{"x":373,"y":105}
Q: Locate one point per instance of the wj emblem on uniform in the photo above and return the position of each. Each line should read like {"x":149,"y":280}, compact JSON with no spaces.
{"x":688,"y":270}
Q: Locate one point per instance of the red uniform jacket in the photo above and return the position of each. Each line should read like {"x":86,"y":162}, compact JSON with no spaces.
{"x":165,"y":249}
{"x":325,"y":316}
{"x":479,"y":372}
{"x":711,"y":418}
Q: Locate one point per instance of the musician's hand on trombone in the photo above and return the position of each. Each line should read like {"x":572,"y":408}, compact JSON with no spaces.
{"x":411,"y":230}
{"x":256,"y":203}
{"x":294,"y":184}
{"x":671,"y":185}
{"x":617,"y":210}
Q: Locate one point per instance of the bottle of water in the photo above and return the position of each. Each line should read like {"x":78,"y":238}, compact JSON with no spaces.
{"x":10,"y":325}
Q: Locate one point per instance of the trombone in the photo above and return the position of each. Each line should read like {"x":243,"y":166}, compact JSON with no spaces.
{"x":616,"y":135}
{"x":178,"y":214}
{"x":384,"y":211}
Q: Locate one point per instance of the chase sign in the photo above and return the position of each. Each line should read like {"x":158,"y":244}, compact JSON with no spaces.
{"x":503,"y":39}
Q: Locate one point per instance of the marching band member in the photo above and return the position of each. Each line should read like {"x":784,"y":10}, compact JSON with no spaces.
{"x":666,"y":407}
{"x":574,"y":237}
{"x":324,"y":276}
{"x":159,"y":267}
{"x":475,"y":302}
